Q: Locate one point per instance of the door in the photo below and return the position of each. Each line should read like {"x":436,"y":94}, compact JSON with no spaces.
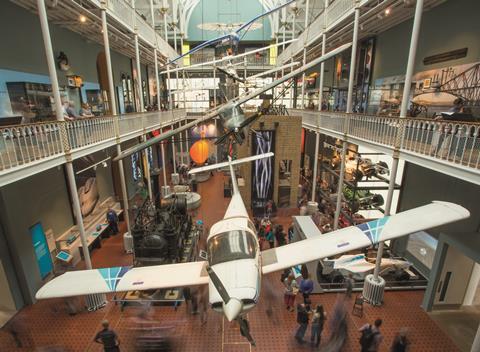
{"x":454,"y":279}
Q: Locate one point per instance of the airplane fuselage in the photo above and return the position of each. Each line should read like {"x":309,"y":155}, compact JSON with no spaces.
{"x":234,"y":255}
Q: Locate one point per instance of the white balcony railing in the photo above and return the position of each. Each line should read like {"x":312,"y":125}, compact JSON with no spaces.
{"x":334,"y":14}
{"x":25,"y":144}
{"x":125,"y":14}
{"x":451,"y":143}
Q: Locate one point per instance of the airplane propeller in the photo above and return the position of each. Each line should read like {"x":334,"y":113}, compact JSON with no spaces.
{"x":232,"y":307}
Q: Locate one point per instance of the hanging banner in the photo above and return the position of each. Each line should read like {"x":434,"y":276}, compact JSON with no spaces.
{"x":40,"y":246}
{"x":262,"y":171}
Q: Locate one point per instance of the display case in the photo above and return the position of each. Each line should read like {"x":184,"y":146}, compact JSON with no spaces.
{"x":33,"y":100}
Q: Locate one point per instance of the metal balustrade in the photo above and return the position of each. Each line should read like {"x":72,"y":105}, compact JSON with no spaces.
{"x":122,"y":11}
{"x":23,"y":145}
{"x":451,"y":143}
{"x":145,"y":30}
{"x":337,"y":10}
{"x":443,"y":144}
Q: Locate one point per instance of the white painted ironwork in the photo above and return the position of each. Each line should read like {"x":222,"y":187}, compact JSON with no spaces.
{"x":452,"y":143}
{"x":24,"y":144}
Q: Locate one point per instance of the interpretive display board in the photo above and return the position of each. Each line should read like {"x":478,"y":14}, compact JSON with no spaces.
{"x":40,"y":246}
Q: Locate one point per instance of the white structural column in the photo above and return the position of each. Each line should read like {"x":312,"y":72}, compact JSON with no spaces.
{"x":113,"y":107}
{"x":341,"y":176}
{"x":93,"y":301}
{"x":52,"y":70}
{"x":307,"y":5}
{"x":139,"y":73}
{"x":42,"y":14}
{"x":187,"y":155}
{"x":147,"y":168}
{"x":403,"y":113}
{"x":184,"y":86}
{"x":157,"y":80}
{"x":322,"y":65}
{"x":215,"y":105}
{"x":174,"y":152}
{"x":180,"y":140}
{"x":353,"y":60}
{"x":315,"y":166}
{"x":375,"y":280}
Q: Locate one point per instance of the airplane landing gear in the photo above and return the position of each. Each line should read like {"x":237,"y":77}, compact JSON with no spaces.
{"x":245,"y":330}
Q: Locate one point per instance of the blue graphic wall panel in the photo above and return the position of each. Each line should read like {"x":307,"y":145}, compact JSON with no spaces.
{"x":42,"y":252}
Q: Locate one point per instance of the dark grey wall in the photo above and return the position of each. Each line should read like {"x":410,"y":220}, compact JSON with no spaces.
{"x":24,"y":50}
{"x":422,"y":185}
{"x":452,"y":25}
{"x":43,"y":198}
{"x":9,"y":266}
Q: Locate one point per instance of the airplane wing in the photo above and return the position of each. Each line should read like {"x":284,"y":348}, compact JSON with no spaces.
{"x":200,"y":46}
{"x":363,"y":235}
{"x":118,"y":279}
{"x":227,"y":163}
{"x":247,"y":24}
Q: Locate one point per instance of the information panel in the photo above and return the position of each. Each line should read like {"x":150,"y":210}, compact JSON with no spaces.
{"x":40,"y":247}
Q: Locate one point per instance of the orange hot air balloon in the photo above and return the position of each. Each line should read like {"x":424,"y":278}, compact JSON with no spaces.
{"x":199,"y":151}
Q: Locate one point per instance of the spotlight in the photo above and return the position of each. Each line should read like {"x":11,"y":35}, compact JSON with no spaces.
{"x":387,"y":11}
{"x":82,"y":18}
{"x":104,"y":164}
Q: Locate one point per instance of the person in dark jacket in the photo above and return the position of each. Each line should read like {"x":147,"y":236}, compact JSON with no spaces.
{"x":108,"y":338}
{"x":302,"y":320}
{"x":318,"y":321}
{"x":400,"y":342}
{"x":112,"y":219}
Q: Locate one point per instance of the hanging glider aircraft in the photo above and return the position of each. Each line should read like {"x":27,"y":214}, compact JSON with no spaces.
{"x":235,"y":264}
{"x":231,"y":114}
{"x":232,"y":38}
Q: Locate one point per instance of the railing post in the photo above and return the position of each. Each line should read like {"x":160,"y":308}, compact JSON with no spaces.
{"x":138,"y":66}
{"x":347,"y":116}
{"x":322,"y":65}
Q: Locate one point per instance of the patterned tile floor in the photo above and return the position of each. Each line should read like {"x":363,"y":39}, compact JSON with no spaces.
{"x":47,"y":324}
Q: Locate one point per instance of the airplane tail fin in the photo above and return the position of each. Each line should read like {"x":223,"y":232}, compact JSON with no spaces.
{"x":233,"y":176}
{"x":230,"y":163}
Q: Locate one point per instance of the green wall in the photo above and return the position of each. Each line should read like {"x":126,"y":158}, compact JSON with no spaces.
{"x":23,"y":48}
{"x":43,"y":198}
{"x":452,"y":25}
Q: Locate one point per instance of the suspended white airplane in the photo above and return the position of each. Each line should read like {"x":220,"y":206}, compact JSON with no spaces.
{"x":235,"y":264}
{"x":232,"y":38}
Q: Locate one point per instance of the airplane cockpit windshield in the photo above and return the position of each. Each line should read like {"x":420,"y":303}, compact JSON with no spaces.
{"x":232,"y":245}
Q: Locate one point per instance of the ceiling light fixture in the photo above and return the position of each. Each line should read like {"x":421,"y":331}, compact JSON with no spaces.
{"x":387,"y":11}
{"x":82,"y":18}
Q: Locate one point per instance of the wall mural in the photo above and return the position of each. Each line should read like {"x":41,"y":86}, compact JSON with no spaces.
{"x":262,"y":171}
